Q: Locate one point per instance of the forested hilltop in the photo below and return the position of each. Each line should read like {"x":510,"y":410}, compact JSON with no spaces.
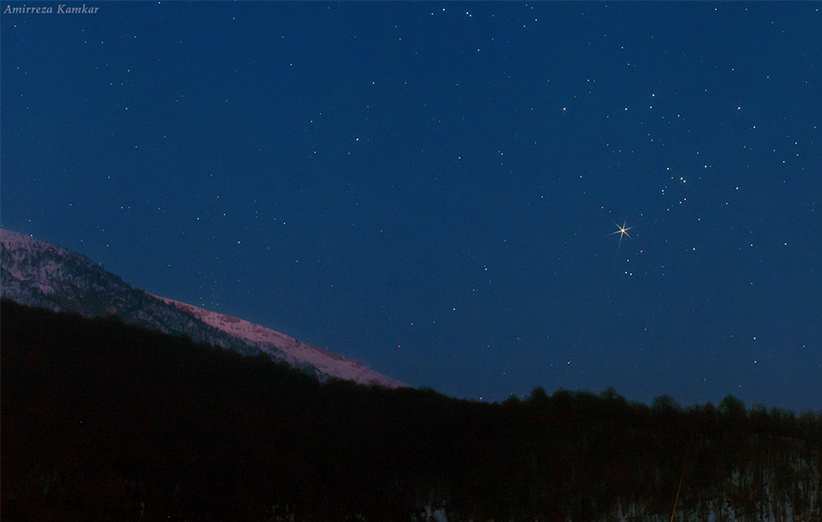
{"x":105,"y":421}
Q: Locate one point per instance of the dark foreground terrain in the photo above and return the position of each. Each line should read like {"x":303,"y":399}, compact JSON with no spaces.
{"x":104,"y":421}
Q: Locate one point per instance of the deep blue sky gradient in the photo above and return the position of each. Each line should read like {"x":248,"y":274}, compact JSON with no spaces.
{"x":434,"y":188}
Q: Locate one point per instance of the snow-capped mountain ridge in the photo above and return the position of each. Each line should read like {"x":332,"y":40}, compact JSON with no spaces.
{"x":37,"y":273}
{"x":295,"y":351}
{"x":18,"y":247}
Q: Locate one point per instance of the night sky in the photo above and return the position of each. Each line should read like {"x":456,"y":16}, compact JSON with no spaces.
{"x":479,"y":198}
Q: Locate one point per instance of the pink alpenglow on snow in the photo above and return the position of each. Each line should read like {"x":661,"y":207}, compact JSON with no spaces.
{"x":39,"y":274}
{"x":296,"y":352}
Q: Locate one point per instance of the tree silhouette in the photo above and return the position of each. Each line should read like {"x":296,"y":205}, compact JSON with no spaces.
{"x":105,"y":421}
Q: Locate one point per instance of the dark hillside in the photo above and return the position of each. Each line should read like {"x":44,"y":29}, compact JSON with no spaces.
{"x":105,"y":421}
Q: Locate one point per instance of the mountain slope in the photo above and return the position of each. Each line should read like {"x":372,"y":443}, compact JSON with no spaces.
{"x":37,"y":273}
{"x":295,"y":352}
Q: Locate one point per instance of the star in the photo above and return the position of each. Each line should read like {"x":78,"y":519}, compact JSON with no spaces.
{"x":622,"y":231}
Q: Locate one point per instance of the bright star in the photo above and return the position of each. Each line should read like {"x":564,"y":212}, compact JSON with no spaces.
{"x":622,"y":231}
